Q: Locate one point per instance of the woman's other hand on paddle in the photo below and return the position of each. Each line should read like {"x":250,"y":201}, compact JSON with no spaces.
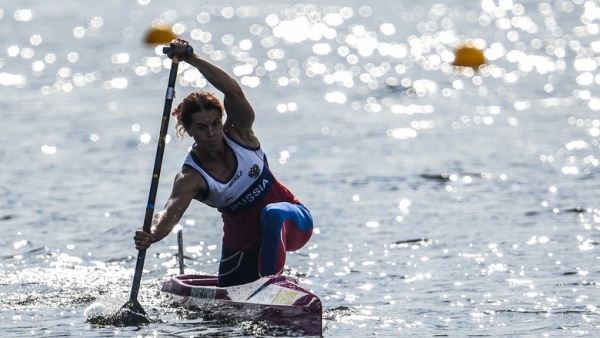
{"x":178,"y":50}
{"x":142,"y":240}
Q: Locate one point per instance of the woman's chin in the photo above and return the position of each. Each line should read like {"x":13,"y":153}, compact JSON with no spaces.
{"x":210,"y":146}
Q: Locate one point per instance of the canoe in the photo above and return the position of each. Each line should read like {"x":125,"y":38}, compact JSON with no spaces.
{"x":275,"y":299}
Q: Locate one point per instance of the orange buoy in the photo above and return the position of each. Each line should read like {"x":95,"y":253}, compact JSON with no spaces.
{"x":159,"y":35}
{"x":469,"y":56}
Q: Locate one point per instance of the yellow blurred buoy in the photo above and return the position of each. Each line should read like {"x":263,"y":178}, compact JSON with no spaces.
{"x":469,"y":56}
{"x":159,"y":35}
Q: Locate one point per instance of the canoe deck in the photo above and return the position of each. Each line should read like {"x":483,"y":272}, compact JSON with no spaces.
{"x":277,"y":299}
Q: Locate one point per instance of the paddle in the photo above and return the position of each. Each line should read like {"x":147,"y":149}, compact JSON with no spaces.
{"x":132,"y":313}
{"x":180,"y":250}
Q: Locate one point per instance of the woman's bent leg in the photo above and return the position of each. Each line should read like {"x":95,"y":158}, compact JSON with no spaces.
{"x":284,"y":227}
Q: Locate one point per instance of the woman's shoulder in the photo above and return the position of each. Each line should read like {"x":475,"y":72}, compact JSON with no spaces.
{"x":189,"y":175}
{"x":245,"y":138}
{"x":191,"y":179}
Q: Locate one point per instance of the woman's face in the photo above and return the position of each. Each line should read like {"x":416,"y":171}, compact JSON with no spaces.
{"x":206,"y":128}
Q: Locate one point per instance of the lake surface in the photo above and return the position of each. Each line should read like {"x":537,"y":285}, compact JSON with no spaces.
{"x":447,"y":202}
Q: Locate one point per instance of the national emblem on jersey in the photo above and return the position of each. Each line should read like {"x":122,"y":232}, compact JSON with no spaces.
{"x":254,"y":171}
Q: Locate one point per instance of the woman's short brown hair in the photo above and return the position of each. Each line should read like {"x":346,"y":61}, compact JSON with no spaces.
{"x":193,"y":103}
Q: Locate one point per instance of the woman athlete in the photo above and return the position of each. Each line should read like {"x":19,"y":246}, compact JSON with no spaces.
{"x":227,"y":169}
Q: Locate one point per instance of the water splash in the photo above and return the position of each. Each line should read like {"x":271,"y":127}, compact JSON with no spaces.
{"x":104,"y":306}
{"x":130,"y":314}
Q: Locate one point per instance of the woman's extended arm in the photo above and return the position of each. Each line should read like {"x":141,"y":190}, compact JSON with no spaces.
{"x":240,"y":115}
{"x":185,"y":187}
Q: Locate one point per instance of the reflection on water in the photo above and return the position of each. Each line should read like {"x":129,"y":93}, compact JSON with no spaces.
{"x":448,"y":201}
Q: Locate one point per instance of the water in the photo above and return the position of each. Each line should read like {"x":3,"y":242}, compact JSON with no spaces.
{"x":447,"y":202}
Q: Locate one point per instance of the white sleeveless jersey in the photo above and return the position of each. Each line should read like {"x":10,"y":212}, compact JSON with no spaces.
{"x":249,"y":183}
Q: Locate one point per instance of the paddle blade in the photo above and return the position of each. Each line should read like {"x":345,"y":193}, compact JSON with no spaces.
{"x":131,"y":314}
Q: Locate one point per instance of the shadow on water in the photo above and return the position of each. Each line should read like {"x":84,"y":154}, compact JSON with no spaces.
{"x":436,"y":177}
{"x":243,"y":329}
{"x":414,"y":240}
{"x":411,"y":243}
{"x":574,"y":210}
{"x":32,"y":251}
{"x":7,"y":217}
{"x":445,"y":177}
{"x":338,"y":312}
{"x":386,"y":183}
{"x":562,"y":312}
{"x":210,"y":323}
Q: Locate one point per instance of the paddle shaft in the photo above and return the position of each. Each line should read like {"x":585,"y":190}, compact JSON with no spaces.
{"x":180,"y":251}
{"x":160,"y":150}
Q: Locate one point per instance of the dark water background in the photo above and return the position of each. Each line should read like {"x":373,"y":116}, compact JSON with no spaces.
{"x":361,"y":115}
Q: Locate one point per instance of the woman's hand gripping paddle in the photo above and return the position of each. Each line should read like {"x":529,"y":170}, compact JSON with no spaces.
{"x":132,"y":313}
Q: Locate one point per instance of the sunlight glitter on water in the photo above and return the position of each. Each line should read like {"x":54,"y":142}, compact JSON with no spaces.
{"x":63,"y":275}
{"x":357,"y":64}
